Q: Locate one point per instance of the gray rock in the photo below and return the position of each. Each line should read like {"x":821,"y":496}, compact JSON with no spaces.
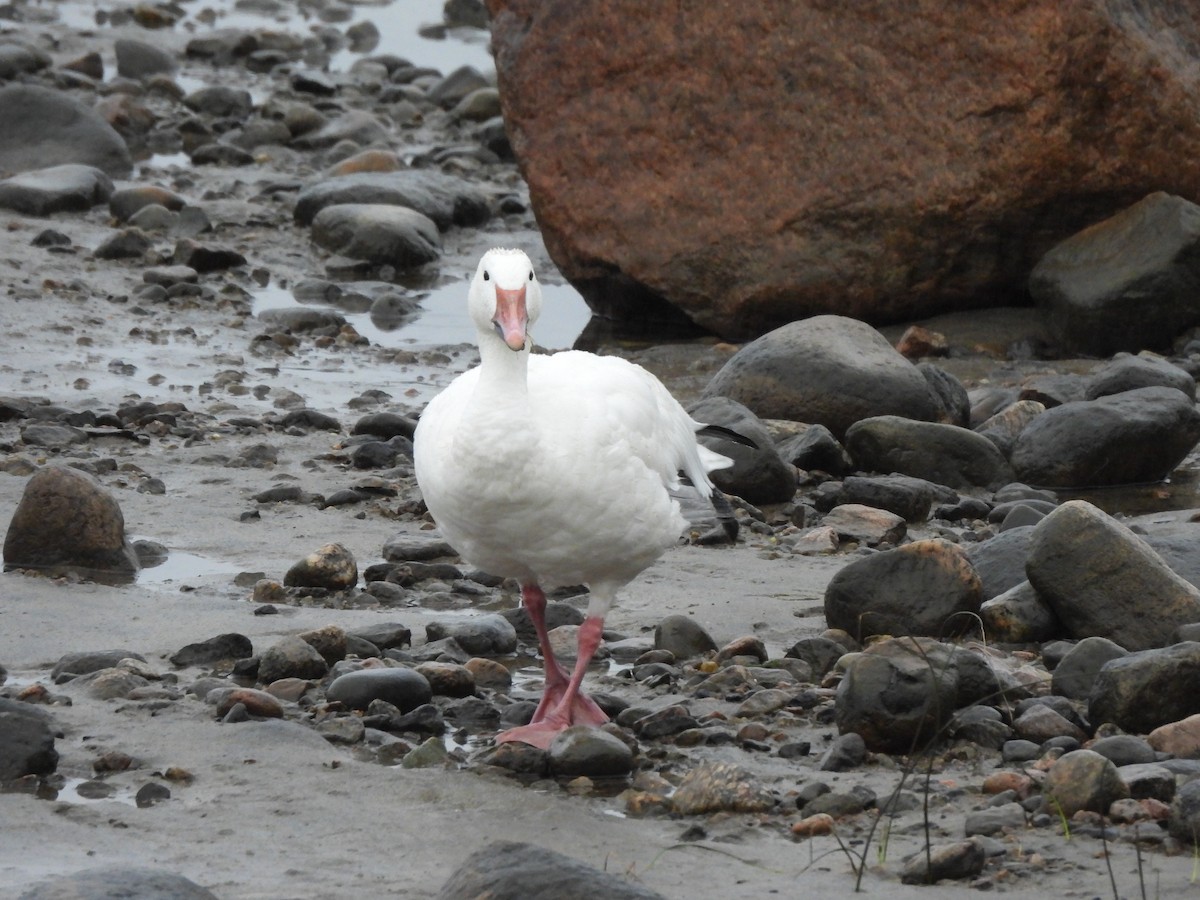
{"x":1076,"y":673}
{"x":448,"y":91}
{"x":1000,"y":561}
{"x":406,"y":547}
{"x":866,"y":524}
{"x":1019,"y":616}
{"x":18,"y":58}
{"x":901,"y":494}
{"x":958,"y":861}
{"x":828,"y":370}
{"x":582,"y":750}
{"x":1184,"y":820}
{"x":1102,"y":580}
{"x":71,"y":187}
{"x":758,"y":474}
{"x":66,"y":521}
{"x":505,"y":870}
{"x":1003,"y":428}
{"x":402,"y":687}
{"x":995,"y":820}
{"x":1082,"y":780}
{"x":1141,"y":691}
{"x":848,"y":751}
{"x":1127,"y":373}
{"x":954,"y":405}
{"x":221,"y":100}
{"x":49,"y":128}
{"x":922,"y":588}
{"x":378,"y":233}
{"x":1127,"y":283}
{"x":74,"y":664}
{"x":899,"y":693}
{"x":1133,"y":437}
{"x":222,"y":646}
{"x":1125,"y":750}
{"x":1040,"y":723}
{"x":357,"y":126}
{"x":683,"y":636}
{"x":128,"y":243}
{"x":1145,"y":779}
{"x":819,"y":652}
{"x":291,"y":657}
{"x":815,"y":447}
{"x":445,"y":199}
{"x":112,"y":882}
{"x":487,"y":635}
{"x":944,"y":454}
{"x":138,"y":59}
{"x":332,"y":567}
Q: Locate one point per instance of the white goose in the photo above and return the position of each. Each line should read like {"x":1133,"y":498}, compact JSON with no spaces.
{"x":554,"y":470}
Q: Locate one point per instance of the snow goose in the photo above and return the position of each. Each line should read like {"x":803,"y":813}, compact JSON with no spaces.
{"x":554,"y":470}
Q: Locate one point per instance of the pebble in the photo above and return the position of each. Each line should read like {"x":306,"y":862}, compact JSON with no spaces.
{"x":402,"y":687}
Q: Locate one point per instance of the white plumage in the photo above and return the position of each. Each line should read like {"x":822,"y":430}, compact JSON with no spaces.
{"x":554,"y":470}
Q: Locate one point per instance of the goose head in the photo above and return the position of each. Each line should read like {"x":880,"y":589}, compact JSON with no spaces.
{"x":505,"y":298}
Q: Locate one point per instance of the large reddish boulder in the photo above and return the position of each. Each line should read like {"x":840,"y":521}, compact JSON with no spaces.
{"x":756,"y":163}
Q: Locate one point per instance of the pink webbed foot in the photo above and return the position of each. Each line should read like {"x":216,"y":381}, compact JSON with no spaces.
{"x":563,"y":704}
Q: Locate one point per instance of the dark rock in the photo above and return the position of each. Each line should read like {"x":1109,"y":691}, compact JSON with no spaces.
{"x":1102,"y":580}
{"x":206,"y":258}
{"x":378,"y":233}
{"x":1019,"y":616}
{"x":223,"y":646}
{"x":49,"y":128}
{"x":386,"y":425}
{"x":74,"y":664}
{"x":505,"y":870}
{"x":486,"y":635}
{"x":1126,"y":283}
{"x":1128,"y":373}
{"x":291,"y":657}
{"x":1125,"y":750}
{"x":943,"y":454}
{"x":1005,"y":427}
{"x":1133,"y":437}
{"x":112,"y":882}
{"x":26,"y":743}
{"x":922,"y":588}
{"x":902,"y":494}
{"x":816,"y":448}
{"x":954,"y":406}
{"x":404,"y":688}
{"x":1184,"y":820}
{"x":582,"y":750}
{"x":1141,"y":691}
{"x":445,"y":199}
{"x":128,"y":243}
{"x":138,"y":59}
{"x":1145,"y":779}
{"x":828,"y":370}
{"x":126,"y":201}
{"x":1000,"y":561}
{"x":848,"y":751}
{"x":556,"y":614}
{"x":957,"y":861}
{"x":899,"y":693}
{"x":332,"y":567}
{"x":819,"y":652}
{"x":67,"y":522}
{"x":683,"y":636}
{"x":758,"y":473}
{"x":1082,"y":780}
{"x":1076,"y":673}
{"x":70,"y":187}
{"x":221,"y":100}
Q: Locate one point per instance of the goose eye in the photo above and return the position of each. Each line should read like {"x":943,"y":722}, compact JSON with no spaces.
{"x":531,"y":276}
{"x":486,"y":276}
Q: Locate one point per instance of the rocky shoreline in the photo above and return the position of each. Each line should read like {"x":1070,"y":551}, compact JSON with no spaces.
{"x":291,"y":688}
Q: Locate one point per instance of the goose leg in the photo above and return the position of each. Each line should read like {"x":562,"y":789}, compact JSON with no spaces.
{"x":555,"y":675}
{"x":569,"y":705}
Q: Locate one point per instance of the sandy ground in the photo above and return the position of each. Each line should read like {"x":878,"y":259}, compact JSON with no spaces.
{"x":274,"y":811}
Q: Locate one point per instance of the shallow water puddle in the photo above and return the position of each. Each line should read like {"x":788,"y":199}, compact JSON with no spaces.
{"x":399,"y":25}
{"x":442,"y":317}
{"x":180,"y":566}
